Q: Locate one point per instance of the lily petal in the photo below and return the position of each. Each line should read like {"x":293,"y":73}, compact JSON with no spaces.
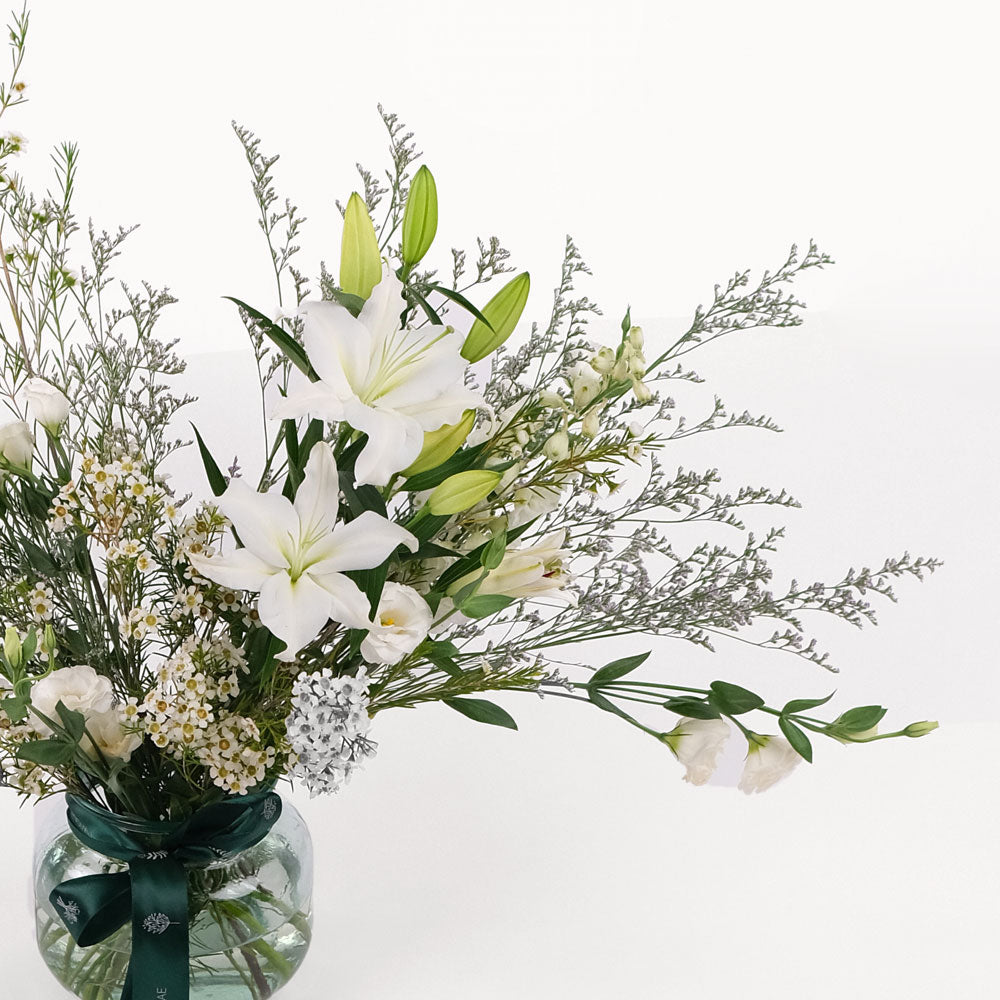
{"x":241,"y":570}
{"x":339,"y":346}
{"x":350,"y":606}
{"x":266,"y":522}
{"x":394,"y":442}
{"x":380,"y":314}
{"x":294,"y":612}
{"x":316,"y":399}
{"x":318,"y":496}
{"x":364,"y":543}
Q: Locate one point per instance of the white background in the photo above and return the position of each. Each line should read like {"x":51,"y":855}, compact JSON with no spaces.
{"x":677,"y":142}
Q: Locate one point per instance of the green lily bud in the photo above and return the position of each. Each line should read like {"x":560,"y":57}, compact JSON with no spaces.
{"x":420,"y":219}
{"x":12,"y":648}
{"x":360,"y":260}
{"x":503,"y":311}
{"x":462,"y":491}
{"x":441,"y":444}
{"x":916,"y":729}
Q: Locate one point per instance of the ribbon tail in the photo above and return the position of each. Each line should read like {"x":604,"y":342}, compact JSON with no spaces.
{"x":160,"y":966}
{"x":93,"y":907}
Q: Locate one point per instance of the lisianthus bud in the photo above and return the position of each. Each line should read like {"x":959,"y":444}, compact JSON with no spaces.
{"x":47,"y":404}
{"x":916,"y":729}
{"x":551,"y":400}
{"x":641,"y":391}
{"x":592,"y":422}
{"x":603,"y":361}
{"x":557,"y":446}
{"x":12,"y":647}
{"x":16,"y":443}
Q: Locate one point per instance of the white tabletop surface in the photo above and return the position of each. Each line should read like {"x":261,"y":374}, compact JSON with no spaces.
{"x":569,"y":861}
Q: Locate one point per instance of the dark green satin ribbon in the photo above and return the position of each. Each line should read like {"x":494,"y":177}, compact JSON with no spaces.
{"x":153,"y":893}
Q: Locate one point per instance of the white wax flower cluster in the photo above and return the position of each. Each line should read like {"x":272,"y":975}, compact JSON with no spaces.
{"x":186,"y":713}
{"x":327,"y":729}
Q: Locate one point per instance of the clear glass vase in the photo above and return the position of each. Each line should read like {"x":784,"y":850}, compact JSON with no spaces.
{"x":250,"y":916}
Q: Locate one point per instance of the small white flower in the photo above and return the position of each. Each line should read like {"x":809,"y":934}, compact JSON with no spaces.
{"x":697,"y":744}
{"x":769,"y":759}
{"x":401,"y":624}
{"x":47,"y":404}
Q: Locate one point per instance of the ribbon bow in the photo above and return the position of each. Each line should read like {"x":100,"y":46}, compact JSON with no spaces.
{"x":153,"y":893}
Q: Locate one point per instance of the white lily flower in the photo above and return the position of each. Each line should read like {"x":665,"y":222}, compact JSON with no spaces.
{"x":295,"y":554}
{"x":697,"y":744}
{"x":393,"y":384}
{"x":767,"y":763}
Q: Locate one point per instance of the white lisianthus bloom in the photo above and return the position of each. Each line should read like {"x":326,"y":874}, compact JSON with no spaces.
{"x":533,"y":571}
{"x":698,"y":744}
{"x":80,"y":689}
{"x":768,"y":761}
{"x":17,"y":443}
{"x":401,"y":624}
{"x":295,"y":554}
{"x":47,"y":404}
{"x":393,"y":384}
{"x":112,"y":739}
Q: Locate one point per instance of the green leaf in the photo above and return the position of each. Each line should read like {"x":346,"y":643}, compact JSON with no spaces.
{"x":431,"y":313}
{"x":286,"y":343}
{"x":484,"y":605}
{"x":857,"y":720}
{"x":216,"y":480}
{"x":495,"y":549}
{"x":38,"y":559}
{"x":360,"y":259}
{"x":48,"y":753}
{"x":29,"y":645}
{"x":442,"y":654}
{"x":73,"y":722}
{"x":460,"y":299}
{"x":420,"y":218}
{"x":480,"y":710}
{"x":607,"y":705}
{"x":693,"y":708}
{"x":731,"y":699}
{"x":617,"y":668}
{"x":804,"y":704}
{"x":798,"y":739}
{"x":502,"y":313}
{"x":352,"y":303}
{"x":16,"y":708}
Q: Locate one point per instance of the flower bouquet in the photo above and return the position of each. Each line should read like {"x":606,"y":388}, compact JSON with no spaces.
{"x":450,"y":502}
